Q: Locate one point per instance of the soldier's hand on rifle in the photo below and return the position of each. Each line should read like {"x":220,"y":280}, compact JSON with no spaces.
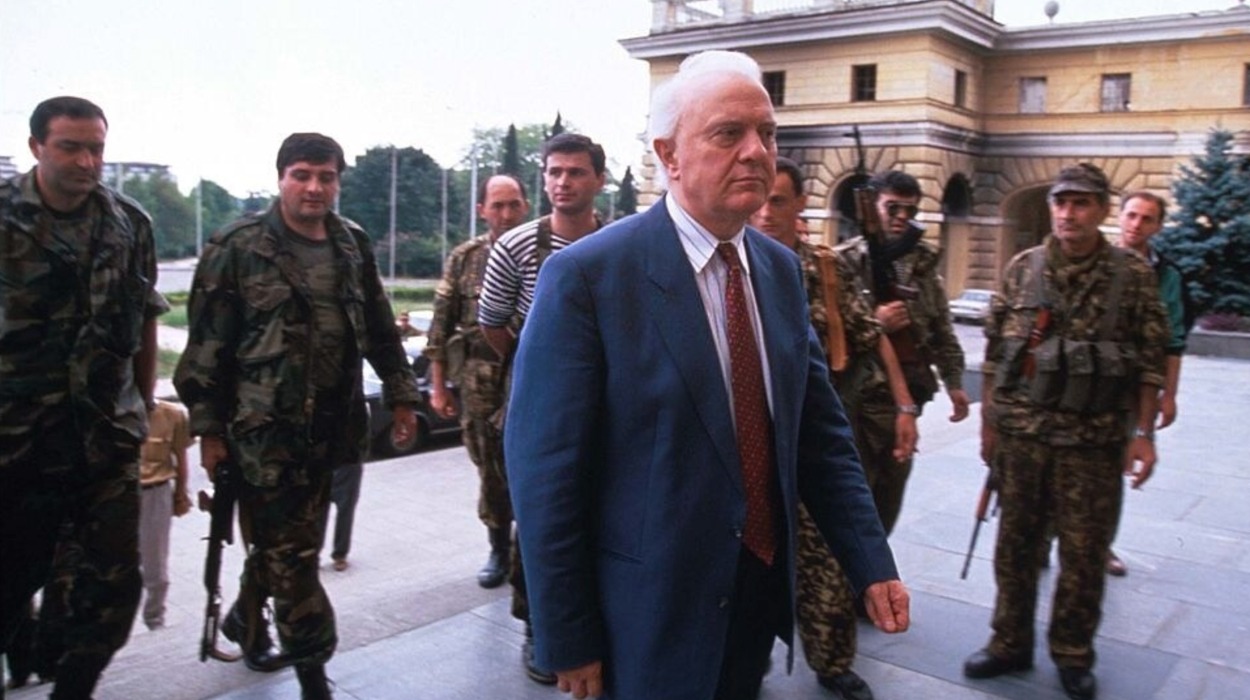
{"x":959,"y":404}
{"x":989,"y":441}
{"x":893,"y":316}
{"x":212,"y":450}
{"x":405,"y":423}
{"x":441,"y":401}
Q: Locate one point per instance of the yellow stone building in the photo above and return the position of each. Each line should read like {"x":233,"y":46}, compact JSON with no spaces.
{"x":982,"y":114}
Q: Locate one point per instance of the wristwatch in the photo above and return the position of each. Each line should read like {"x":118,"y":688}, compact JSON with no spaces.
{"x":909,"y":409}
{"x":1140,"y":433}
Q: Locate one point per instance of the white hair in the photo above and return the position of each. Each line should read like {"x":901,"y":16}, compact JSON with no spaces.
{"x":669,"y":98}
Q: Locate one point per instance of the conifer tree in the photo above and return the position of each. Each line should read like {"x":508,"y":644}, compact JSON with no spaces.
{"x":1210,"y":238}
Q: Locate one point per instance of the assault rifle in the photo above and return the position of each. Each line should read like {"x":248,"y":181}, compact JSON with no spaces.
{"x":982,"y":514}
{"x":220,"y":533}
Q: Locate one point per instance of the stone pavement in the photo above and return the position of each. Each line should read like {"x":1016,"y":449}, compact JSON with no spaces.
{"x":414,"y":624}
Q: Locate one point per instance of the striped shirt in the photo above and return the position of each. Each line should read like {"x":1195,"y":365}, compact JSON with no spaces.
{"x":512,"y":273}
{"x":710,"y":275}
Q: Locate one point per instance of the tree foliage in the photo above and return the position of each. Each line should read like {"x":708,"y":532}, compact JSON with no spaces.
{"x":627,"y":198}
{"x":220,"y":207}
{"x":365,"y":197}
{"x":1210,"y":239}
{"x":511,"y":154}
{"x":173,"y":215}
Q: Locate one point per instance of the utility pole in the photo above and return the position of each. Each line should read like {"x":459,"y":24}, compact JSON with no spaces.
{"x":394,"y":195}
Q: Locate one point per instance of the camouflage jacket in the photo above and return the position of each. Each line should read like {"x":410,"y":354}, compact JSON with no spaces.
{"x":930,"y":313}
{"x":455,"y":302}
{"x":864,"y":380}
{"x":1079,"y":294}
{"x":71,"y":321}
{"x":245,"y":373}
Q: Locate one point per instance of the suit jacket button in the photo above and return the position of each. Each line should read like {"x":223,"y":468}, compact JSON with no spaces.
{"x":723,"y":603}
{"x":737,"y":533}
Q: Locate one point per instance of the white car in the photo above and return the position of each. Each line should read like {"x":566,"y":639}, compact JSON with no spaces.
{"x":972,"y":306}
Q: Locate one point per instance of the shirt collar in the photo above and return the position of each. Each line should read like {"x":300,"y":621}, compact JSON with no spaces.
{"x":699,"y":243}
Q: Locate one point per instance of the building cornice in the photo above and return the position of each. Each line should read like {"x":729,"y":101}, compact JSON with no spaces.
{"x":1159,"y":144}
{"x":808,"y":26}
{"x":1190,"y":26}
{"x":944,"y":16}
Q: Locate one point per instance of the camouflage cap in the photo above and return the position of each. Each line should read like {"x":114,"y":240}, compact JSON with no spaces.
{"x":1082,"y":177}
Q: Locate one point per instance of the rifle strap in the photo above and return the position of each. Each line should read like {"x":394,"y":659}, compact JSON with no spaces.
{"x":835,"y":330}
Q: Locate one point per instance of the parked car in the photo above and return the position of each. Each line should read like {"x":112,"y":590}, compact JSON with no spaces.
{"x":429,"y":424}
{"x":972,"y":306}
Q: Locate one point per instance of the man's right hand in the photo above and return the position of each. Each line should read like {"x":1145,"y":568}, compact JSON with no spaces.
{"x":583,"y":681}
{"x":212,"y":450}
{"x":893,"y":316}
{"x":441,"y":401}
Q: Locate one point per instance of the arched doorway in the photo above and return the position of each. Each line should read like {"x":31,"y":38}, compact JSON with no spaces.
{"x":955,"y":234}
{"x":842,"y":208}
{"x":1026,"y":221}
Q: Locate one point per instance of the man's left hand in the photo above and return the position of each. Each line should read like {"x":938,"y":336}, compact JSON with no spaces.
{"x":405,"y":424}
{"x":1139,"y":461}
{"x":959,"y":404}
{"x":583,"y":681}
{"x":888,"y":605}
{"x":182,"y":502}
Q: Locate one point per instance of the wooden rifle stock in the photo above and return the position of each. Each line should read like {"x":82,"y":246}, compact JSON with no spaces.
{"x":1041,"y":324}
{"x":835,"y":340}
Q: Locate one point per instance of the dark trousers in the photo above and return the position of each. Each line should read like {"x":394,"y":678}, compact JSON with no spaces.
{"x":344,"y":494}
{"x":761,"y":603}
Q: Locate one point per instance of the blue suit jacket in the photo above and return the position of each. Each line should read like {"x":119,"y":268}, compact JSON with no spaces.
{"x":623,"y":465}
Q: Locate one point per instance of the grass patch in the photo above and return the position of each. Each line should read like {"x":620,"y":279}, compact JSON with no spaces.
{"x":166,"y":361}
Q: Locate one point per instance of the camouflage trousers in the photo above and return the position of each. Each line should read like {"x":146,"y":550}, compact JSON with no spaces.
{"x":1079,"y":490}
{"x":826,"y":603}
{"x":484,"y":443}
{"x":88,"y":525}
{"x":282,"y":526}
{"x":887,"y":477}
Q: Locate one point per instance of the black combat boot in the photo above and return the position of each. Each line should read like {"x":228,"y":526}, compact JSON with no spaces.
{"x":253,"y":639}
{"x":495,"y":571}
{"x":312,"y":681}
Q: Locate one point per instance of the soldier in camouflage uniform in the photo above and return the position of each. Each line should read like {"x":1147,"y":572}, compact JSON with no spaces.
{"x":898,"y":276}
{"x":826,"y":603}
{"x":284,"y":306}
{"x":1076,"y":339}
{"x":475,"y":367}
{"x":78,"y":312}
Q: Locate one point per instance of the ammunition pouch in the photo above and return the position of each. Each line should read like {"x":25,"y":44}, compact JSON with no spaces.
{"x":1046,"y":387}
{"x":920,"y":381}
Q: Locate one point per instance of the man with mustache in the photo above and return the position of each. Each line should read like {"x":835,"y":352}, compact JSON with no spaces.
{"x":284,"y":307}
{"x":78,"y":308}
{"x":1075,"y":341}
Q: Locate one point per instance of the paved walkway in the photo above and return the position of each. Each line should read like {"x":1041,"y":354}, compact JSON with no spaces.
{"x":415,"y":625}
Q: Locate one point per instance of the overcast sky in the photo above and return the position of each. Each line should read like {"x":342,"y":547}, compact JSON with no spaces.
{"x":211,"y":87}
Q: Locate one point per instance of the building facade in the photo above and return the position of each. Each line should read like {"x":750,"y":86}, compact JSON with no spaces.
{"x":983,"y":115}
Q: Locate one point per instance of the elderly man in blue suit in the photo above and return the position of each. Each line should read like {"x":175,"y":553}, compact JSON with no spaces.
{"x":671,"y":406}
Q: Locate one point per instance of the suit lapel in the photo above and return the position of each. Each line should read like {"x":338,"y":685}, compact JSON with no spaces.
{"x":677,"y":309}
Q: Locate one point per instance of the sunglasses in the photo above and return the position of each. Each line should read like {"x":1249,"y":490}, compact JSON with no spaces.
{"x":897,"y":209}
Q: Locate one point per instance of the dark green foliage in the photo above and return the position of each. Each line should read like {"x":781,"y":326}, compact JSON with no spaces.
{"x":544,"y":204}
{"x":511,"y":155}
{"x":365,"y":198}
{"x":1210,"y":238}
{"x":627,"y":198}
{"x":173,"y":216}
{"x":220,"y":207}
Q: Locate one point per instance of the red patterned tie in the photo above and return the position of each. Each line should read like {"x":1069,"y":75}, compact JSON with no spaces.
{"x":750,"y":404}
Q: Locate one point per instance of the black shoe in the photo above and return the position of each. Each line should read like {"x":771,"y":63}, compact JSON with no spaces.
{"x":848,"y":686}
{"x":495,"y":570}
{"x":1078,"y":683}
{"x":535,"y":673}
{"x":1115,"y":565}
{"x":312,"y":681}
{"x":258,"y":652}
{"x":983,"y":664}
